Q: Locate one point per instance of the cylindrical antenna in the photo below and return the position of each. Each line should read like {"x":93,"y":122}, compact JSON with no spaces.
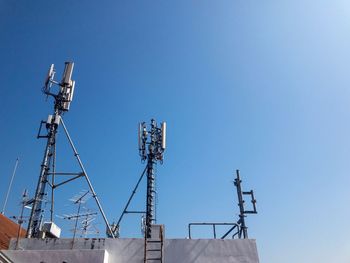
{"x":9,"y":189}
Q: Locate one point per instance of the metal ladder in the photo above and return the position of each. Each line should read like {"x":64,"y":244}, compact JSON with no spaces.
{"x":154,"y":246}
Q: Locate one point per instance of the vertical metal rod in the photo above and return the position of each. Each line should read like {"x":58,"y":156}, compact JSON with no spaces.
{"x":9,"y":189}
{"x":20,"y":219}
{"x":53,"y":183}
{"x":241,"y":206}
{"x":76,"y":154}
{"x":76,"y":224}
{"x":214,"y":230}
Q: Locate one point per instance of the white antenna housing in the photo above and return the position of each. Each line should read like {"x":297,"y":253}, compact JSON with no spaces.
{"x":163,"y":135}
{"x":140,"y":135}
{"x":69,"y":94}
{"x":49,"y":75}
{"x":67,"y":74}
{"x":67,"y":85}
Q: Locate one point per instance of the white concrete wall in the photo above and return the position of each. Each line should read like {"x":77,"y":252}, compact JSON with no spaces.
{"x":58,"y":256}
{"x":131,"y":250}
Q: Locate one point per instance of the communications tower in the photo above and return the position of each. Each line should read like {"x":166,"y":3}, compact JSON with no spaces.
{"x":152,"y":144}
{"x":62,"y":93}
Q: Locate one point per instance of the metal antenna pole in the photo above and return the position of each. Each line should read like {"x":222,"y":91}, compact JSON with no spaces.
{"x":9,"y":189}
{"x":53,"y":183}
{"x":242,"y":211}
{"x":76,"y":225}
{"x":94,"y":195}
{"x":76,"y":221}
{"x":20,"y":219}
{"x":241,"y":206}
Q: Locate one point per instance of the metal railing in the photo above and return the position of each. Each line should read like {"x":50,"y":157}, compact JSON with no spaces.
{"x":233,"y":227}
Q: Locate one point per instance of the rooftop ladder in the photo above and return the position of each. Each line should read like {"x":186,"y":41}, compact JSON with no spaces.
{"x":154,"y":246}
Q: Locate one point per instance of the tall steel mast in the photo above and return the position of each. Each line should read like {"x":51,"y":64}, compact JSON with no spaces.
{"x":62,"y":103}
{"x":62,"y":99}
{"x":151,"y":148}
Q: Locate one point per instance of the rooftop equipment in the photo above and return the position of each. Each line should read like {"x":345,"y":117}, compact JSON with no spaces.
{"x":238,"y":229}
{"x":155,"y":140}
{"x":63,"y":96}
{"x":242,"y":212}
{"x":152,"y":145}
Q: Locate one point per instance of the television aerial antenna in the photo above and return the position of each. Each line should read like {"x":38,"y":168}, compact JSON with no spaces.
{"x":88,"y":227}
{"x":62,"y":93}
{"x":87,"y":215}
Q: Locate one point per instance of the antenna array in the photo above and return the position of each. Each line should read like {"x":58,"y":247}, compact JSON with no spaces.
{"x":151,"y":148}
{"x":62,"y":98}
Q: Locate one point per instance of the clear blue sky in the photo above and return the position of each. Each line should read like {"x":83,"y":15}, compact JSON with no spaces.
{"x":262,"y":86}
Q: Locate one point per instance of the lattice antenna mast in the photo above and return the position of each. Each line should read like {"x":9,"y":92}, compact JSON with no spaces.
{"x":242,"y":212}
{"x":152,"y":144}
{"x":62,"y":98}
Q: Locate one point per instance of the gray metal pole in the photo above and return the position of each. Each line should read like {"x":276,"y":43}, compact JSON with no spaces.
{"x":53,"y":183}
{"x":9,"y":189}
{"x":20,"y":219}
{"x":241,"y":206}
{"x":76,"y":154}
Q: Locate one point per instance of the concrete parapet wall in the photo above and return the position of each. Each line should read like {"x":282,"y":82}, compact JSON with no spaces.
{"x":58,"y":256}
{"x":131,"y":250}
